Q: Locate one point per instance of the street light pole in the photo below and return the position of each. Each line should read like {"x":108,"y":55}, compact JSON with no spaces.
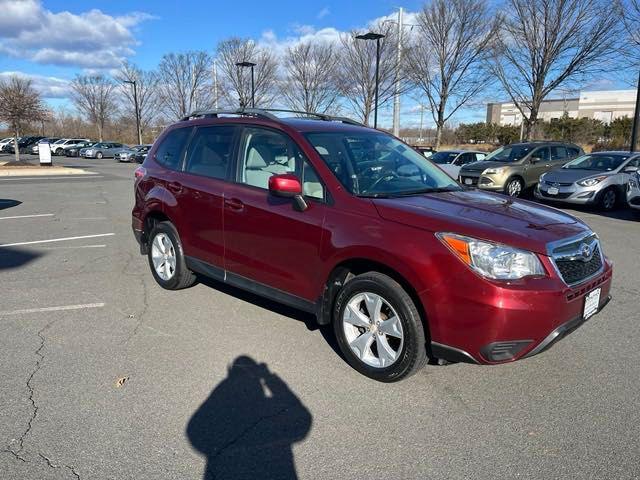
{"x":376,"y":37}
{"x":396,"y":95}
{"x":135,"y":101}
{"x":253,"y":85}
{"x":635,"y":132}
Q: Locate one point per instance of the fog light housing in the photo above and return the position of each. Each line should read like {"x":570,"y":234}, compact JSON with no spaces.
{"x":503,"y":351}
{"x":586,"y":195}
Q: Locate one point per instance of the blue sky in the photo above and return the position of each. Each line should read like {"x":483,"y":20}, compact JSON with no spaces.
{"x":53,"y":40}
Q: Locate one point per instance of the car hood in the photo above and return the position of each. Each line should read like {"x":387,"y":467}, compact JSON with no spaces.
{"x":571,"y":175}
{"x":483,"y":165}
{"x":485,"y":215}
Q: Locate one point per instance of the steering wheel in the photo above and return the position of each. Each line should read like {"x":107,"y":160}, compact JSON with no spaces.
{"x":390,"y":175}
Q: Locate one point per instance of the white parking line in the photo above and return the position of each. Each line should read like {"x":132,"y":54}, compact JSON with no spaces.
{"x":28,"y":216}
{"x":46,"y":177}
{"x":53,"y":309}
{"x":56,"y":240}
{"x":72,"y":247}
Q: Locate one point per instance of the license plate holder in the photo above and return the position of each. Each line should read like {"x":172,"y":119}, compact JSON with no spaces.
{"x":591,"y":303}
{"x":553,"y":191}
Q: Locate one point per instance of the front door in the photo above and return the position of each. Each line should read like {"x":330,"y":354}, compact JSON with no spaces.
{"x":267,"y":239}
{"x":536,"y":168}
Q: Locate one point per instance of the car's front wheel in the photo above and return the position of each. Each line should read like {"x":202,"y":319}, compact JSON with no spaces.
{"x":514,"y":187}
{"x":99,"y":155}
{"x":378,"y":328}
{"x":608,"y":199}
{"x":166,"y":258}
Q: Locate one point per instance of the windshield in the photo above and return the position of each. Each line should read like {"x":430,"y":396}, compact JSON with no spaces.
{"x":374,"y":164}
{"x":442,"y":158}
{"x":597,"y":162}
{"x":62,"y":140}
{"x":510,"y":153}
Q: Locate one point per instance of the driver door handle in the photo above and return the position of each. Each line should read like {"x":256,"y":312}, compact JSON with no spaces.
{"x":234,"y":204}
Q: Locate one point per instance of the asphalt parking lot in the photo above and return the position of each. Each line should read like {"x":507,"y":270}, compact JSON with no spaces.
{"x":105,"y":375}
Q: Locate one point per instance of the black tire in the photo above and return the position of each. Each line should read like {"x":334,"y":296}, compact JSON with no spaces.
{"x":413,"y":355}
{"x":514,"y":187}
{"x":182,"y":276}
{"x":609,"y":199}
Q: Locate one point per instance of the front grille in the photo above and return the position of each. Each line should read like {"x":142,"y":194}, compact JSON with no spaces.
{"x":557,"y":184}
{"x":576,"y":270}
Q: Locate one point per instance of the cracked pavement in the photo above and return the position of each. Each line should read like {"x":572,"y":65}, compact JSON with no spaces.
{"x":295,"y":408}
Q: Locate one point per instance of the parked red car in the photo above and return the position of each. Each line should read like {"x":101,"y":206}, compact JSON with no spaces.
{"x":349,"y":223}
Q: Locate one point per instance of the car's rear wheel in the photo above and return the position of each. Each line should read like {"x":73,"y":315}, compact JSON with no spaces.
{"x":166,"y":258}
{"x":514,"y":187}
{"x":378,"y":328}
{"x":608,"y":199}
{"x":99,"y":155}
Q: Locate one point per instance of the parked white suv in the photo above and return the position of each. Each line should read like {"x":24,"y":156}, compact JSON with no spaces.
{"x":59,"y":146}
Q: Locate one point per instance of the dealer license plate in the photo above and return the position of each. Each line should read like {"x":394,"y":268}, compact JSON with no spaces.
{"x":552,"y":191}
{"x":591,"y":303}
{"x":468,"y":181}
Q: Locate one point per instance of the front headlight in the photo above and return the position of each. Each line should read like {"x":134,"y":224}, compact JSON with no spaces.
{"x":590,"y":182}
{"x":493,"y":260}
{"x":493,"y":171}
{"x":541,"y":179}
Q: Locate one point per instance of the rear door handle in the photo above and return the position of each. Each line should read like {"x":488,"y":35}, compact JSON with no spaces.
{"x":234,"y":204}
{"x":175,"y":187}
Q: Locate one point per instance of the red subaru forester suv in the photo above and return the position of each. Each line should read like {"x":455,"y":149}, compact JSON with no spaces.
{"x":351,"y":224}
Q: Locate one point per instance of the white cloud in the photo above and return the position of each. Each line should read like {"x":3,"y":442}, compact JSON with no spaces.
{"x":49,"y":87}
{"x":323,"y":13}
{"x":90,"y":39}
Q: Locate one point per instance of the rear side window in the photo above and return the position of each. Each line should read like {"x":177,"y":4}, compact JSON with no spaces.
{"x":169,"y":152}
{"x":211,"y":150}
{"x":573,"y":152}
{"x":558,"y":153}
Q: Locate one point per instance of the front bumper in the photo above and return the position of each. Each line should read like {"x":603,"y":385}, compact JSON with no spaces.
{"x":493,"y":323}
{"x":568,"y":194}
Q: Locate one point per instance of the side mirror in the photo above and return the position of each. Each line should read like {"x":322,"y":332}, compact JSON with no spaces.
{"x":287,"y":185}
{"x":630,"y":169}
{"x":535,"y":159}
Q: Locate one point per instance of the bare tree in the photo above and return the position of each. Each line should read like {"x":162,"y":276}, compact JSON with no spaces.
{"x":147,"y":93}
{"x":311,"y":84}
{"x":237,"y":80}
{"x":184,"y":83}
{"x":630,"y":12}
{"x":93,"y":96}
{"x":20,"y":104}
{"x":545,"y":44}
{"x":357,"y":70}
{"x":446,"y":58}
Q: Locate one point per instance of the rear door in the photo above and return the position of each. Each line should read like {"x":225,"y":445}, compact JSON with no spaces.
{"x":559,"y":155}
{"x":207,"y":169}
{"x":267,"y":239}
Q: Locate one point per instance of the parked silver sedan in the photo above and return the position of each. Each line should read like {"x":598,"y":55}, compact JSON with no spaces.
{"x":594,"y":179}
{"x":633,"y":191}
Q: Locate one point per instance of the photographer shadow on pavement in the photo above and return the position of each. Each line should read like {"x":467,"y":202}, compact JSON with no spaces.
{"x":248,"y":425}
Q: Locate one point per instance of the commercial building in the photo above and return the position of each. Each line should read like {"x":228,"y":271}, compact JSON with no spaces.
{"x":604,"y":105}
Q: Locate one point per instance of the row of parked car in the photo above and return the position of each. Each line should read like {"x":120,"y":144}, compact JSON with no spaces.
{"x":77,"y":147}
{"x":556,"y":172}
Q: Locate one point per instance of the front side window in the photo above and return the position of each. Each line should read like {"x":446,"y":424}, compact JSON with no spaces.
{"x":542,"y":153}
{"x":210,"y":151}
{"x":266,"y":153}
{"x":374,"y":164}
{"x":169,"y":152}
{"x":597,"y":162}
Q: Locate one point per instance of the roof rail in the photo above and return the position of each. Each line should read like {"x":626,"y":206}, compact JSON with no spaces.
{"x":266,"y":113}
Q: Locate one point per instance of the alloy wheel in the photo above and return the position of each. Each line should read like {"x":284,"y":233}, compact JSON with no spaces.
{"x":373,"y":329}
{"x":609,"y":199}
{"x":514,"y":188}
{"x":163,"y":255}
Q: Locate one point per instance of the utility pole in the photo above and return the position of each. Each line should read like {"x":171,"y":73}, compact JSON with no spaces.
{"x":135,"y":102}
{"x":635,"y":132}
{"x":396,"y":95}
{"x":421,"y":121}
